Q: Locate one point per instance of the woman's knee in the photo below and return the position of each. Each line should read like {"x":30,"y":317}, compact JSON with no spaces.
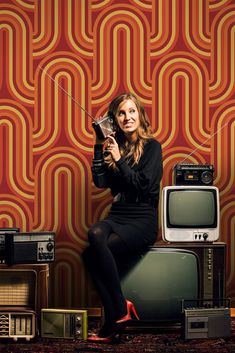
{"x":96,"y":236}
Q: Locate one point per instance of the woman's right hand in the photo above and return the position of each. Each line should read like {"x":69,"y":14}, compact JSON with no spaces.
{"x":113,"y":148}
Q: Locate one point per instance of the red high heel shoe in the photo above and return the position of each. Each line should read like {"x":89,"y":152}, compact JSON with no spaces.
{"x":98,"y":339}
{"x":114,"y":338}
{"x":130,"y":310}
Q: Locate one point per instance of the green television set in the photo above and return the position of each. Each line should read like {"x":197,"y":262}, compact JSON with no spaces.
{"x":161,"y":279}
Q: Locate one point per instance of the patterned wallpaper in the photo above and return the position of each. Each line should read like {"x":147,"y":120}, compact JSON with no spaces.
{"x":177,"y":56}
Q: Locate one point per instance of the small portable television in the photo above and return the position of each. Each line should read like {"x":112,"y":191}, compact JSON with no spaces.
{"x":190,"y":213}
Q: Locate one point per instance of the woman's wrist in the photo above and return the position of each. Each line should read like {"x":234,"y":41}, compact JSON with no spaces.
{"x":120,"y":161}
{"x":98,"y":151}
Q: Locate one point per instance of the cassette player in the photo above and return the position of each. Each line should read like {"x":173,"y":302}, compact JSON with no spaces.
{"x":29,"y":247}
{"x":210,"y":320}
{"x":193,"y":174}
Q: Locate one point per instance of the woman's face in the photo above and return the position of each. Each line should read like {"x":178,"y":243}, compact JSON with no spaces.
{"x":128,"y":118}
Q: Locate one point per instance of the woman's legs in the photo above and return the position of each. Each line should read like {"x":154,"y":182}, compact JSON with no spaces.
{"x":99,"y":258}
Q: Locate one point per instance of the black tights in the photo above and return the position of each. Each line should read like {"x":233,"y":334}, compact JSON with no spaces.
{"x":100,"y":258}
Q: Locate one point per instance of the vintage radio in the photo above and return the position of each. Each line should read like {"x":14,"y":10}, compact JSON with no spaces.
{"x":62,"y":323}
{"x":24,"y":287}
{"x":206,"y":323}
{"x":3,"y":233}
{"x":15,"y":324}
{"x":30,"y":247}
{"x":193,"y":174}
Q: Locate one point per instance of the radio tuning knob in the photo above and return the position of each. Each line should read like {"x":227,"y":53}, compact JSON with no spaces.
{"x":50,"y":246}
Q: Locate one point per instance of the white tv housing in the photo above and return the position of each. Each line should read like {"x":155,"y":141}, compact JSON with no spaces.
{"x":190,"y":213}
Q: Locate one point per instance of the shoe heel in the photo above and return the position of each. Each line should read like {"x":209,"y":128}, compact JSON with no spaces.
{"x":134,"y":312}
{"x":130,"y":310}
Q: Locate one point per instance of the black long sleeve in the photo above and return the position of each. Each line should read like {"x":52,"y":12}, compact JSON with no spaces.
{"x":99,"y":169}
{"x":141,"y":180}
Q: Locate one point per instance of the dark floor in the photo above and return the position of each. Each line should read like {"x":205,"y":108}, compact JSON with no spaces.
{"x":134,"y":340}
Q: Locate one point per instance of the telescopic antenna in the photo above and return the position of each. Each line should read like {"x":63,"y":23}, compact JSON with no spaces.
{"x":69,"y":95}
{"x":203,"y":143}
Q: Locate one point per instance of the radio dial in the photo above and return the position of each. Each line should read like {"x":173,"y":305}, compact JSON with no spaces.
{"x":50,"y":246}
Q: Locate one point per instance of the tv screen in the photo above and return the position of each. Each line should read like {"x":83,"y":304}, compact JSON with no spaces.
{"x":192,"y":208}
{"x":159,"y":280}
{"x":190,"y":213}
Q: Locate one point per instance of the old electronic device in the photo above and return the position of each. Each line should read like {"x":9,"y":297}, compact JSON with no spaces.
{"x":64,"y":323}
{"x":17,"y":324}
{"x":193,"y":174}
{"x":30,"y":247}
{"x":24,"y":287}
{"x":190,"y":213}
{"x":206,"y":321}
{"x":104,"y":126}
{"x":3,"y":234}
{"x":158,"y":280}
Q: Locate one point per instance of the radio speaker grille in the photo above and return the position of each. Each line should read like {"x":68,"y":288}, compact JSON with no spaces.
{"x":24,"y":286}
{"x":17,"y":288}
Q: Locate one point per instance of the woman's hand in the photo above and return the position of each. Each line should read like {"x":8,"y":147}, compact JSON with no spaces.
{"x":113,"y":148}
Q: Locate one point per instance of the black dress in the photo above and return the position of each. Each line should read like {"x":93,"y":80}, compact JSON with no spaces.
{"x":134,"y":211}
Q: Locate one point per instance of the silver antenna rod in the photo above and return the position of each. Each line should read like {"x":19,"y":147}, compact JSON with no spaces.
{"x":69,"y":95}
{"x":203,"y":143}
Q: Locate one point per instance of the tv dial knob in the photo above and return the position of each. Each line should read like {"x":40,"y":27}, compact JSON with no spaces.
{"x":205,"y":236}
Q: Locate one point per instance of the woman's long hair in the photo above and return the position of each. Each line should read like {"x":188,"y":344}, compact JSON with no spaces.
{"x":132,"y":151}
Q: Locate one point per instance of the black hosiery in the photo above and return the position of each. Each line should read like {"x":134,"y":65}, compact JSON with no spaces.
{"x":100,"y":258}
{"x":92,"y":264}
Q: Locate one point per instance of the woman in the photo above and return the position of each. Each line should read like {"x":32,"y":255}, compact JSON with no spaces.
{"x":128,"y":162}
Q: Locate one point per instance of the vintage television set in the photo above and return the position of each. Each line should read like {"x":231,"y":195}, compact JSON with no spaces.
{"x":190,"y":213}
{"x":159,"y":280}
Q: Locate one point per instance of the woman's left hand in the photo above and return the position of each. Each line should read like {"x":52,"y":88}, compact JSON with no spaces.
{"x":113,"y":148}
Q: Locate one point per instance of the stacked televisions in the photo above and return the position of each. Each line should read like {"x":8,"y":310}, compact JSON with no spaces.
{"x":24,"y":281}
{"x":188,"y":265}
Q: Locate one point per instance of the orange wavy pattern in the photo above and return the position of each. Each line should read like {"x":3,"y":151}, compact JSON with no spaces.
{"x":177,"y":57}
